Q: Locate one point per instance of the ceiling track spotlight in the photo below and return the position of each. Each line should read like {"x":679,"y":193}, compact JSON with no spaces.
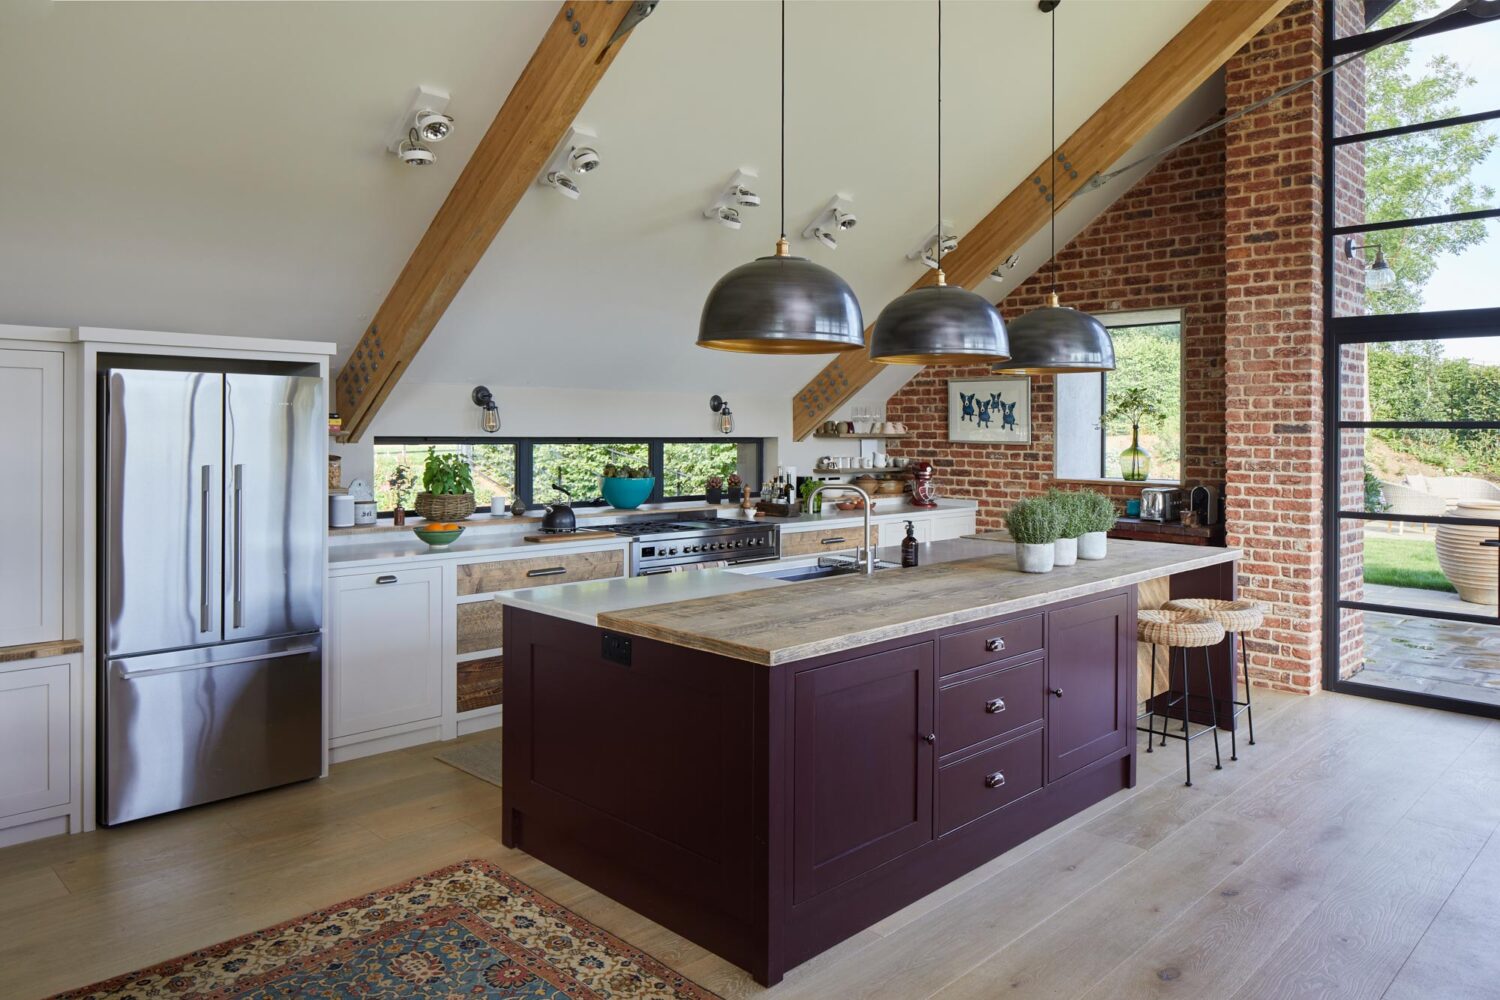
{"x":424,"y":120}
{"x":836,"y":218}
{"x":927,"y":250}
{"x":737,"y":194}
{"x":1008,"y":264}
{"x":574,"y":156}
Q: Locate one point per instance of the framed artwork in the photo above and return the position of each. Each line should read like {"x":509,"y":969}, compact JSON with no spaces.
{"x":995,"y":409}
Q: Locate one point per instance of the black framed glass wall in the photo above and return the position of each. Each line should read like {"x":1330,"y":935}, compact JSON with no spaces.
{"x":532,"y":468}
{"x":1412,"y":360}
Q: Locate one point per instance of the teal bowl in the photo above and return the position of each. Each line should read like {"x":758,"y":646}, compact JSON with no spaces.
{"x":627,"y":494}
{"x":436,"y":538}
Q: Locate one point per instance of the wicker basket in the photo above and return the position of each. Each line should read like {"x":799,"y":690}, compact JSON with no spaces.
{"x":445,"y":506}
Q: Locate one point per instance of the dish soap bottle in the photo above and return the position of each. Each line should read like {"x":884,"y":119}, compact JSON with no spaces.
{"x":909,"y":547}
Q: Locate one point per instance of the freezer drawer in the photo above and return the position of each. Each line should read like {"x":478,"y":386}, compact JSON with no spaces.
{"x":198,"y":725}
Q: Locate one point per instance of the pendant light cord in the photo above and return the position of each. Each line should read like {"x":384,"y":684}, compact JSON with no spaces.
{"x":1052,"y":199}
{"x":783,"y":119}
{"x":940,"y":138}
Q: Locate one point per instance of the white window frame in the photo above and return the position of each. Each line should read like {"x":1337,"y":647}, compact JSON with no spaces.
{"x":1077,"y":445}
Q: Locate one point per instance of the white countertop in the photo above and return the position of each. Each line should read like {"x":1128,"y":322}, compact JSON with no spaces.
{"x":585,"y":601}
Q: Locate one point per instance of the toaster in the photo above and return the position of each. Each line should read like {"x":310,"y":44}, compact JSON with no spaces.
{"x":1161,"y":503}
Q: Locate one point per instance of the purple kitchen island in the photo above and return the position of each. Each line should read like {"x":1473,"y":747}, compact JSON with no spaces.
{"x":768,"y":768}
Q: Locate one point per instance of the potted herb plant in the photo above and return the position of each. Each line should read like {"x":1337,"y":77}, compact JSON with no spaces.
{"x":447,"y":487}
{"x":736,"y":488}
{"x":1099,"y":517}
{"x":714,"y":489}
{"x":1071,"y":524}
{"x":1138,"y":403}
{"x":400,"y":484}
{"x":1034,"y":525}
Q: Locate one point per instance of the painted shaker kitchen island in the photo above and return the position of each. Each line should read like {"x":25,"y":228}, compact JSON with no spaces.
{"x":769,"y":768}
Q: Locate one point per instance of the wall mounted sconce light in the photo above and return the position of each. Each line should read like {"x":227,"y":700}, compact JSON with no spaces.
{"x":1378,"y":273}
{"x":720,"y":405}
{"x":489,"y":420}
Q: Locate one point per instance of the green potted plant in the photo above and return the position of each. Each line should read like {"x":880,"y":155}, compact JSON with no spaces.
{"x":1071,"y":524}
{"x":447,"y":487}
{"x":1099,"y":515}
{"x":714,"y":489}
{"x":400,"y":484}
{"x":1034,"y":525}
{"x":1136,"y":404}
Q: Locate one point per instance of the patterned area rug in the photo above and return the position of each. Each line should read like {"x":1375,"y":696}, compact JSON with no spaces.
{"x":466,"y":931}
{"x":481,"y":758}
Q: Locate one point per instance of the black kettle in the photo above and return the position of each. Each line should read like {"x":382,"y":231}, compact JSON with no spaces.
{"x":559,"y":518}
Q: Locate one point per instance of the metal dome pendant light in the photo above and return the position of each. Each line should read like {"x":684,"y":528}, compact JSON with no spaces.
{"x":1056,"y":340}
{"x":939,"y":324}
{"x":782,"y":304}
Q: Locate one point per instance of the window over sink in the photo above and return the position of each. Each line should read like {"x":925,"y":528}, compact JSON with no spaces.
{"x":1095,"y":423}
{"x":527,"y":467}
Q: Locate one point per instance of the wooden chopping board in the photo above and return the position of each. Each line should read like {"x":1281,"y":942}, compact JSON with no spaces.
{"x":569,"y":536}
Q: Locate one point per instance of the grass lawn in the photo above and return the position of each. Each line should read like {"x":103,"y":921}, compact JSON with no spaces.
{"x":1403,"y":562}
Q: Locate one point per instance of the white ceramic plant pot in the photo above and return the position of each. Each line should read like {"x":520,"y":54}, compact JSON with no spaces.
{"x":1066,"y":551}
{"x":1035,"y":558}
{"x":1093,"y":545}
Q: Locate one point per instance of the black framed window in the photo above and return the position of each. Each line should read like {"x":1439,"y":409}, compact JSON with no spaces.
{"x":528,"y":468}
{"x":1412,"y":358}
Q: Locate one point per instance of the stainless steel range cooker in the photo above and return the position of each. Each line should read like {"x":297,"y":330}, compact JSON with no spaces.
{"x":659,"y":546}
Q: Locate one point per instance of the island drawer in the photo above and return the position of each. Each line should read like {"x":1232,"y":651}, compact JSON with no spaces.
{"x":992,"y":703}
{"x":977,"y":785}
{"x":540,"y":571}
{"x":812,"y":543}
{"x":988,"y":643}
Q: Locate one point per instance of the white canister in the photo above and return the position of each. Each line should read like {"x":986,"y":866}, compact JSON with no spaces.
{"x":364,"y":512}
{"x":340,"y":510}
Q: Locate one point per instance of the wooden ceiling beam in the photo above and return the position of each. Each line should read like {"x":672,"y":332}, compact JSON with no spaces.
{"x":1194,"y":54}
{"x":571,"y":59}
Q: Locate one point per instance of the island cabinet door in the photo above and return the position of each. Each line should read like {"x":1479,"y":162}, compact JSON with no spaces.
{"x":1090,"y":671}
{"x":862,"y":765}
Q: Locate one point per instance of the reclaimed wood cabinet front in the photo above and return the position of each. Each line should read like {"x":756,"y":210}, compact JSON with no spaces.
{"x":862,"y":765}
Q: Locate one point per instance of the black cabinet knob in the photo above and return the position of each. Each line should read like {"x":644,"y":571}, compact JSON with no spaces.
{"x":1057,"y":691}
{"x":930,"y":738}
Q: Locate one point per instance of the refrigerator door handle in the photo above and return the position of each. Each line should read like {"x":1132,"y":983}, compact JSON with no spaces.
{"x":124,"y":673}
{"x":205,"y":552}
{"x":239,"y":546}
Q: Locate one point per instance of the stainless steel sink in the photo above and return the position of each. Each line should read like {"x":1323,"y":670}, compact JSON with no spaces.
{"x":796,"y":574}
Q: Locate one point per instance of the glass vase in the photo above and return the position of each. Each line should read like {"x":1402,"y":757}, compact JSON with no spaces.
{"x":1135,"y":463}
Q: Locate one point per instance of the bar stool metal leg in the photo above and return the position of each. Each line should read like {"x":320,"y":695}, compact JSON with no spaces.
{"x":1187,"y":744}
{"x":1151,"y":703}
{"x":1213,"y":709}
{"x":1249,"y":712}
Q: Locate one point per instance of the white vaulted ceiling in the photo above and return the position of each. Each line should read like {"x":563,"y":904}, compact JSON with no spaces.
{"x":219,"y":167}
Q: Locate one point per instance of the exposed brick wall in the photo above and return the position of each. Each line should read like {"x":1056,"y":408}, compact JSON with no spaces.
{"x":1274,"y":343}
{"x":1161,"y":245}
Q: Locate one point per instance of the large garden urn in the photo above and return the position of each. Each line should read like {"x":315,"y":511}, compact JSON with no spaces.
{"x":1473,"y":569}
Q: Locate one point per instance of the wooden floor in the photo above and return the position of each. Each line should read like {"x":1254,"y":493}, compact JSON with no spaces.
{"x":1350,"y":853}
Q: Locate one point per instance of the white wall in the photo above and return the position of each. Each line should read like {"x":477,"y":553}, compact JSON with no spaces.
{"x":419,"y":409}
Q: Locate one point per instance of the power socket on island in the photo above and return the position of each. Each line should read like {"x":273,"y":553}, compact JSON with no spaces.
{"x":616,"y":648}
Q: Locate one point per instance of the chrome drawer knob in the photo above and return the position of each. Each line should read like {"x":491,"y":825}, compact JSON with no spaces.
{"x":994,"y":780}
{"x":930,"y":738}
{"x":994,"y":705}
{"x":994,"y":645}
{"x":1057,"y":691}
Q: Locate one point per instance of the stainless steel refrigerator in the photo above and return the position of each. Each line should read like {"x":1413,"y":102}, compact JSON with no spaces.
{"x":212,"y":504}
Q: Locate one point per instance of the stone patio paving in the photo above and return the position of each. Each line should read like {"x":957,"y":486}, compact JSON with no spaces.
{"x":1451,"y":658}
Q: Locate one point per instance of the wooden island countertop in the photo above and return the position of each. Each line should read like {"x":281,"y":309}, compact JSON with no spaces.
{"x":784,"y":624}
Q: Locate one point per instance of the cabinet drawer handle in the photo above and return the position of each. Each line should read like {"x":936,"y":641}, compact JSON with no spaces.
{"x":1057,"y":691}
{"x":994,"y":780}
{"x":385,"y":579}
{"x":995,"y":705}
{"x":839,"y":540}
{"x":994,"y":645}
{"x":549,"y":571}
{"x":930,"y":738}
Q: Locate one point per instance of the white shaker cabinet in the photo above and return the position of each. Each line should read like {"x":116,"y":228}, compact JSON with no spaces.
{"x":32,"y":422}
{"x":386,"y":666}
{"x":36,"y":745}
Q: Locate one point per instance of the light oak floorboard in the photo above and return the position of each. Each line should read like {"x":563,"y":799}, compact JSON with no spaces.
{"x":1352,"y":852}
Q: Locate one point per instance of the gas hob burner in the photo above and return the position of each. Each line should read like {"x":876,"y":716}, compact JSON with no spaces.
{"x":659,"y":546}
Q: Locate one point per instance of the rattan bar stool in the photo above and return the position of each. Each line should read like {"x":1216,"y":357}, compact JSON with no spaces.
{"x":1183,"y":630}
{"x":1237,"y":617}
